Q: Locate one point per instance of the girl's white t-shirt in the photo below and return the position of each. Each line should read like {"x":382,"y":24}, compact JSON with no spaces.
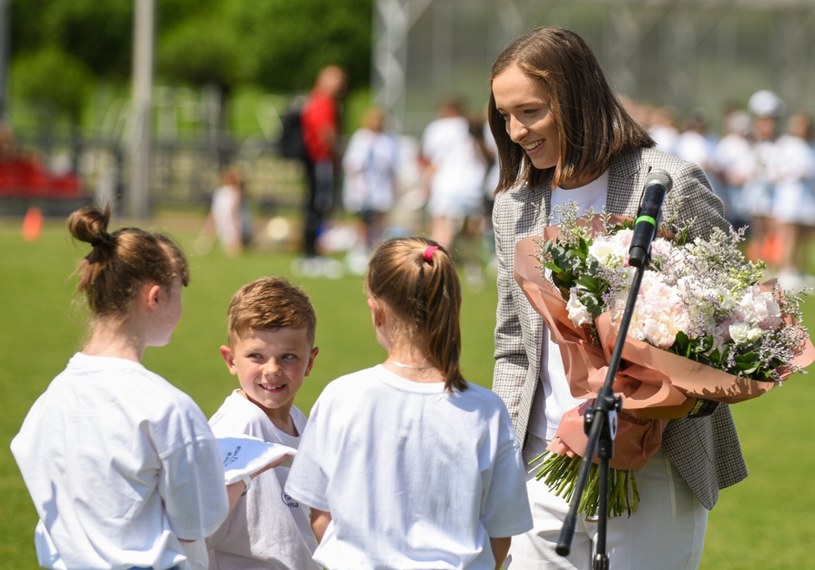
{"x":413,"y":476}
{"x":120,"y":465}
{"x":554,"y":387}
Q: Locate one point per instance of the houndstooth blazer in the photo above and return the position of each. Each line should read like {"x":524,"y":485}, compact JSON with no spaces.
{"x":705,"y":451}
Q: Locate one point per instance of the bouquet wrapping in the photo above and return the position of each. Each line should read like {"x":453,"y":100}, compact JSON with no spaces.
{"x":664,"y":367}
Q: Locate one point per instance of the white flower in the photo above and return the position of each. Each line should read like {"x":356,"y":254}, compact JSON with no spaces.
{"x":743,"y":333}
{"x":759,"y":307}
{"x":578,"y":313}
{"x":610,"y":251}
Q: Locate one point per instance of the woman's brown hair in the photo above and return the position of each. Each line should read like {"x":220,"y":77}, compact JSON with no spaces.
{"x":594,"y":126}
{"x":416,"y":278}
{"x":121,"y":262}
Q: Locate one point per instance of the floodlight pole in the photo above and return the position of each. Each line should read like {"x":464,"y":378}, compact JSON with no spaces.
{"x":143,"y":31}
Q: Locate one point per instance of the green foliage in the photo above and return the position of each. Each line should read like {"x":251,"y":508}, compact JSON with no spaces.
{"x":275,"y":45}
{"x":99,"y":34}
{"x":291,"y":41}
{"x":202,"y":50}
{"x":54,"y":82}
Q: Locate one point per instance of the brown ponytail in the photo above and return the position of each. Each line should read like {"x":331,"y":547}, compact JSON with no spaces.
{"x":417,"y":279}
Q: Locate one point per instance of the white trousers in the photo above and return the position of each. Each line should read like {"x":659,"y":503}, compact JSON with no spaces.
{"x":667,"y":532}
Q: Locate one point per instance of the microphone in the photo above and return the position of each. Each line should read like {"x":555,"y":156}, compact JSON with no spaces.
{"x":657,"y":185}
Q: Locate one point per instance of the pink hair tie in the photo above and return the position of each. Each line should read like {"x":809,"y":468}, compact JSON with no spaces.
{"x":428,"y":253}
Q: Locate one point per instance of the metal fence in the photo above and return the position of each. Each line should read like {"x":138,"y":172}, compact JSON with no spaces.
{"x":183,"y":173}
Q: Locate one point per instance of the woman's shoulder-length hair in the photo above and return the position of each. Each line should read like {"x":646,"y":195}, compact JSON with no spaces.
{"x":593,"y":124}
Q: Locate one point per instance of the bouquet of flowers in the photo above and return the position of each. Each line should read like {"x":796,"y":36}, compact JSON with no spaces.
{"x":703,"y":326}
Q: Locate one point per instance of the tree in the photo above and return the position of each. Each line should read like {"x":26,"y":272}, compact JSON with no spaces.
{"x":290,"y":41}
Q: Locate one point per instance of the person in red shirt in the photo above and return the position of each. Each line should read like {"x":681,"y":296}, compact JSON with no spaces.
{"x":321,"y":126}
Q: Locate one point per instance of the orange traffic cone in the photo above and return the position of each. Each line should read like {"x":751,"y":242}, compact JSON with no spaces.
{"x":32,"y":224}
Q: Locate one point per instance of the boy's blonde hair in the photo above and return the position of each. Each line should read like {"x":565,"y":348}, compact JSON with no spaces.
{"x":270,"y":303}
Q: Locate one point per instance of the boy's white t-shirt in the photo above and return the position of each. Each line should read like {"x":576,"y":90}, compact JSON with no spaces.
{"x":413,"y":476}
{"x":120,"y":465}
{"x":556,"y":397}
{"x":267,"y":528}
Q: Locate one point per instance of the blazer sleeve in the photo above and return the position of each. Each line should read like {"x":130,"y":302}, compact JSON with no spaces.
{"x":691,"y":199}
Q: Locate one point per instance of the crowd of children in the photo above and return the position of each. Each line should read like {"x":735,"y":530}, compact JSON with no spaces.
{"x":126,"y":473}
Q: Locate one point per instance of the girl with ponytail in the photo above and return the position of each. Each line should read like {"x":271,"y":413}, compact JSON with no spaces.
{"x":405,"y":464}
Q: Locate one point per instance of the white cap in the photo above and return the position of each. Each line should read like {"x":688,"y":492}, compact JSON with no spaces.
{"x":765,"y":103}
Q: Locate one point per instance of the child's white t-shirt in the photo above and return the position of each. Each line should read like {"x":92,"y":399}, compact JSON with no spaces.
{"x":413,"y":476}
{"x":120,"y":464}
{"x":267,"y":528}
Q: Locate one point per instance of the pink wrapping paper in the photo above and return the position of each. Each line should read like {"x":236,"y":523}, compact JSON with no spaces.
{"x":647,"y":377}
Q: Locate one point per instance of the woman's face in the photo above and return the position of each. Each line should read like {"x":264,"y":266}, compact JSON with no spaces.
{"x":526,"y":109}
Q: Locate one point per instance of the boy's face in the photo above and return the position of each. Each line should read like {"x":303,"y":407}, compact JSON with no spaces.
{"x":270,"y":366}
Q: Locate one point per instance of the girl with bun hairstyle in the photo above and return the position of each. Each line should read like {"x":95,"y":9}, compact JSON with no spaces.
{"x":122,"y":466}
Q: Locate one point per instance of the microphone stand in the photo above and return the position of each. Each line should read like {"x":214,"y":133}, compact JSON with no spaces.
{"x":600,"y":423}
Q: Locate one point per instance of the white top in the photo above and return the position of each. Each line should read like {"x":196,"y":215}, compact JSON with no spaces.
{"x":370,"y":164}
{"x":794,"y":172}
{"x":459,"y":169}
{"x":226,"y":203}
{"x":557,"y":397}
{"x":120,"y":464}
{"x":413,"y":476}
{"x":731,"y":156}
{"x":267,"y":528}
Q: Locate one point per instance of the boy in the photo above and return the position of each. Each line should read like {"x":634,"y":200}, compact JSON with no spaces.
{"x":271,"y":326}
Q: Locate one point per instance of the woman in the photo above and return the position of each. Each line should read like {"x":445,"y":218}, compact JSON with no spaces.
{"x":563,"y":136}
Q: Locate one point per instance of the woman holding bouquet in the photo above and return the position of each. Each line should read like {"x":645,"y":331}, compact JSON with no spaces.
{"x":564,"y":137}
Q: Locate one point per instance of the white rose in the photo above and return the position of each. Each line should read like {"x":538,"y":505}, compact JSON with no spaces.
{"x":578,"y":313}
{"x":743,"y":333}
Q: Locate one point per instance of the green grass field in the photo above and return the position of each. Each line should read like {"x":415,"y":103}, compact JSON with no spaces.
{"x":767,"y":521}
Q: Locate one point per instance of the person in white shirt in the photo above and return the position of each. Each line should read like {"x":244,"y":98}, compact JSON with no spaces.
{"x":230,"y":217}
{"x":271,"y":328}
{"x":405,"y":464}
{"x":454,"y":168}
{"x":794,"y":199}
{"x":370,"y":168}
{"x":121,"y":466}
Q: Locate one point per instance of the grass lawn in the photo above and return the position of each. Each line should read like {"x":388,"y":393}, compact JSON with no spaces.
{"x":765,"y":522}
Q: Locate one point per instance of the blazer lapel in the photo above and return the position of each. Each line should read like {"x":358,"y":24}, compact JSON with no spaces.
{"x":626,"y":177}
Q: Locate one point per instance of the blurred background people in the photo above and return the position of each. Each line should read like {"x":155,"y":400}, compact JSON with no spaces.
{"x":730,"y":165}
{"x":793,"y":207}
{"x":759,"y":189}
{"x":230,"y":218}
{"x":370,"y":167}
{"x":321,"y":135}
{"x":454,"y":159}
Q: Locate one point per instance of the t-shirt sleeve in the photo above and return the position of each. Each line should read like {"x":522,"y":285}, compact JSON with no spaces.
{"x":193,"y":488}
{"x":506,"y":506}
{"x":307,"y":481}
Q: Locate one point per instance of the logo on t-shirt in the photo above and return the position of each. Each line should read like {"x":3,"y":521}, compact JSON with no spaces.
{"x":288,"y":501}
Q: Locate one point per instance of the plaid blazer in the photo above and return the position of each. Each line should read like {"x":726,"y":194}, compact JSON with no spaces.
{"x":705,"y":451}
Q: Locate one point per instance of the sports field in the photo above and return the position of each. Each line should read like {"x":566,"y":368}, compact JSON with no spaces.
{"x":768,"y":521}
